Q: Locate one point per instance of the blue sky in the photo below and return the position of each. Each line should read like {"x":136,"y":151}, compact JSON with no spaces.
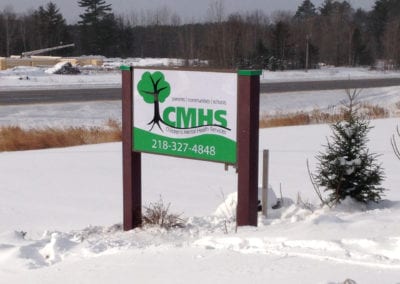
{"x":188,"y":10}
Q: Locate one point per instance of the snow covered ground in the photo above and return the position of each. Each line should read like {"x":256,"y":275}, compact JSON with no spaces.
{"x":96,"y":113}
{"x":61,"y":209}
{"x":91,"y":77}
{"x":327,"y":73}
{"x":22,"y":78}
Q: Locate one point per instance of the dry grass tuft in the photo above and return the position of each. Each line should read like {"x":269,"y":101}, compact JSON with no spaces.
{"x":15,"y":138}
{"x":316,"y":116}
{"x":374,"y":111}
{"x":157,"y":214}
{"x":285,"y":120}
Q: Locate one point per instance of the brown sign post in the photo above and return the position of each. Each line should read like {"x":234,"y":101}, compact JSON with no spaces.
{"x":131,"y":161}
{"x":247,"y":150}
{"x":247,"y":136}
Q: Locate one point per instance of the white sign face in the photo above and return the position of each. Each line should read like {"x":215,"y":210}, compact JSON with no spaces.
{"x":189,"y":114}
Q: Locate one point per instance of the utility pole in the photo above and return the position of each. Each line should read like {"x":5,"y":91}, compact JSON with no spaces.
{"x":307,"y":50}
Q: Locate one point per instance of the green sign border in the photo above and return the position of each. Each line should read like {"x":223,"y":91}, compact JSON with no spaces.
{"x":249,"y":72}
{"x":125,"y":68}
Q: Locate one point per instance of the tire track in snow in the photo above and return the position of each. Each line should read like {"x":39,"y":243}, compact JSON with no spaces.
{"x":340,"y":251}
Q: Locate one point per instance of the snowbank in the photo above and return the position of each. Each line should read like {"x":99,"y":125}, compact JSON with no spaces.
{"x":61,"y":221}
{"x":61,"y":209}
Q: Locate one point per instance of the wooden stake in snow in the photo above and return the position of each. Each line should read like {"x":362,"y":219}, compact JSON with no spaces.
{"x":264,"y":198}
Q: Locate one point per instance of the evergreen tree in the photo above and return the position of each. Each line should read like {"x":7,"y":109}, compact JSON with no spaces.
{"x":361,"y":39}
{"x":358,"y":47}
{"x":95,"y":11}
{"x":347,"y":168}
{"x":280,"y":42}
{"x":50,"y":26}
{"x":327,"y":7}
{"x":334,"y":38}
{"x":385,"y":13}
{"x":331,"y":7}
{"x":98,"y":27}
{"x":378,"y":19}
{"x":305,"y":10}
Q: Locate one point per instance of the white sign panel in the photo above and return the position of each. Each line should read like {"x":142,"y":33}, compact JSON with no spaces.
{"x":189,"y":114}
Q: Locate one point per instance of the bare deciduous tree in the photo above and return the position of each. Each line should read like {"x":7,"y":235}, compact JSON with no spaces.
{"x":391,"y":42}
{"x":394,"y":141}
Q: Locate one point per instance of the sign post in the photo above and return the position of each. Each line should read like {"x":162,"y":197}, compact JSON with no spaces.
{"x":248,"y":133}
{"x":132,"y":169}
{"x":211,"y":116}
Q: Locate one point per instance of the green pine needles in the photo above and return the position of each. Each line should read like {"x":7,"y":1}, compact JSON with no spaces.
{"x":347,"y":168}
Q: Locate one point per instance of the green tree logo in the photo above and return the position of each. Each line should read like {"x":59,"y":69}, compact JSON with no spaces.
{"x":154,"y":89}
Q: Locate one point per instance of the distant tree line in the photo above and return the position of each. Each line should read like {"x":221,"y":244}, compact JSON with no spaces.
{"x":334,"y":34}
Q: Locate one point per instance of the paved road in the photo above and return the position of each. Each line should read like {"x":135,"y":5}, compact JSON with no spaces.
{"x":80,"y":95}
{"x":328,"y":85}
{"x":58,"y":96}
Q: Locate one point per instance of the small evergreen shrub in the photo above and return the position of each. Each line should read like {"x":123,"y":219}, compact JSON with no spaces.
{"x":346,"y":167}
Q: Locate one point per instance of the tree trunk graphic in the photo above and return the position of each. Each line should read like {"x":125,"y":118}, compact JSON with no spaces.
{"x":154,"y":89}
{"x":157,"y":117}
